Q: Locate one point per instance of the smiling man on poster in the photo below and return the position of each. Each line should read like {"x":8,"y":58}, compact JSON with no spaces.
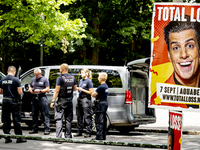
{"x":182,"y":39}
{"x":175,"y":57}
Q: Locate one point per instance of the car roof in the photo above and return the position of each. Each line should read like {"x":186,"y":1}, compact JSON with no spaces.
{"x":2,"y":74}
{"x":118,"y":68}
{"x":144,"y":62}
{"x":85,"y":66}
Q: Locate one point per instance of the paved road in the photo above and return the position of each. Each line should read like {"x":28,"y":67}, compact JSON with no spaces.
{"x":190,"y":142}
{"x":44,"y":142}
{"x":46,"y":145}
{"x":191,"y":121}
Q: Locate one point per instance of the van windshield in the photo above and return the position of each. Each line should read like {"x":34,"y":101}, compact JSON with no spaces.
{"x":113,"y":81}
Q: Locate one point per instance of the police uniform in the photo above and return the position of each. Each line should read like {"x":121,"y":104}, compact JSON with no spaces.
{"x":64,"y":106}
{"x":84,"y":108}
{"x":100,"y":112}
{"x":9,"y":84}
{"x":40,"y":103}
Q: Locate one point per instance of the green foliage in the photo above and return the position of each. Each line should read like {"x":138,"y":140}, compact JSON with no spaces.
{"x":84,"y":62}
{"x":117,"y":30}
{"x":41,"y":18}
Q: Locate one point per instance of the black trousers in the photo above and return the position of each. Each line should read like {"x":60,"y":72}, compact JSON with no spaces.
{"x":84,"y":110}
{"x":101,"y":120}
{"x":66,"y":113}
{"x":10,"y":107}
{"x":40,"y":105}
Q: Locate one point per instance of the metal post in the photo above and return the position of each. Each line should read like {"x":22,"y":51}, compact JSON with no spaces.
{"x":41,"y":46}
{"x":41,"y":51}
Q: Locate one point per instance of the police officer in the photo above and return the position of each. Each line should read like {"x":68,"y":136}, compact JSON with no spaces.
{"x":10,"y":87}
{"x":63,"y":106}
{"x":38,"y":87}
{"x":84,"y":108}
{"x":101,"y":107}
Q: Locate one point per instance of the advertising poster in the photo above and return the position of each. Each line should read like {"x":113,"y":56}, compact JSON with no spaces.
{"x":175,"y":52}
{"x":175,"y":131}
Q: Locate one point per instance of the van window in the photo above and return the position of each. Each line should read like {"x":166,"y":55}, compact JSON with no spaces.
{"x":29,"y":76}
{"x":113,"y":81}
{"x":54,"y":73}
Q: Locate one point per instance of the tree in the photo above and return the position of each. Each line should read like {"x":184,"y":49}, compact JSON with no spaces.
{"x":117,"y":30}
{"x":37,"y":18}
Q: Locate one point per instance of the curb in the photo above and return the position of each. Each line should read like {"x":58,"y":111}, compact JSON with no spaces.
{"x":100,"y":142}
{"x":152,"y":130}
{"x":166,"y":131}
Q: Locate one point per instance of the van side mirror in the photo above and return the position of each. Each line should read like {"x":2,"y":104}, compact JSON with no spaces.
{"x":25,"y":88}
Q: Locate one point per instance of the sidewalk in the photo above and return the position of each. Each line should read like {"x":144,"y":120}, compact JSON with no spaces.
{"x":191,"y":122}
{"x":192,"y":130}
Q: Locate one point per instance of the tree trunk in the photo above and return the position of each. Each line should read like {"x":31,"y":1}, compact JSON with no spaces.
{"x":4,"y":62}
{"x":4,"y":55}
{"x":95,"y":24}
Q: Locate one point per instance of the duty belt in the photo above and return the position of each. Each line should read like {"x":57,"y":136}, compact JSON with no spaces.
{"x":8,"y":98}
{"x":102,"y":99}
{"x":60,"y":99}
{"x":82,"y":96}
{"x":39,"y":95}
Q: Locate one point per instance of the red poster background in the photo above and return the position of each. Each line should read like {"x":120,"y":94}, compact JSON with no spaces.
{"x":160,"y":62}
{"x":176,"y":125}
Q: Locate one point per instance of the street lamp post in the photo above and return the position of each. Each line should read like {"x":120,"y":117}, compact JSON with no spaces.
{"x":41,"y":51}
{"x":41,"y":45}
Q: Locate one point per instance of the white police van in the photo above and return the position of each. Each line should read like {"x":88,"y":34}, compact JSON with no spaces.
{"x":127,"y":98}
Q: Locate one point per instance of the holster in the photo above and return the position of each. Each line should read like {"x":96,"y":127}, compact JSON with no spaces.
{"x":36,"y":98}
{"x":58,"y":107}
{"x":59,"y":111}
{"x":87,"y":96}
{"x":95,"y":103}
{"x":19,"y":104}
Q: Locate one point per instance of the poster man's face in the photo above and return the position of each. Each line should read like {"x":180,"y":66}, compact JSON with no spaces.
{"x":184,"y":54}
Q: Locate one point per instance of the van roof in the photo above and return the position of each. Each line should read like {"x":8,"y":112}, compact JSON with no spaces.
{"x":83,"y":66}
{"x":119,"y":68}
{"x":144,"y":62}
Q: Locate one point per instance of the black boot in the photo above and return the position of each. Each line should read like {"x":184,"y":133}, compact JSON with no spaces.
{"x":8,"y":140}
{"x":20,"y":140}
{"x":33,"y":132}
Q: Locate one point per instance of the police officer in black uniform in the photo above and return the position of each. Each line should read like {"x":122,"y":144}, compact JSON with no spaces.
{"x":10,"y":87}
{"x":38,"y":87}
{"x":63,"y":106}
{"x":84,"y":107}
{"x":101,"y":107}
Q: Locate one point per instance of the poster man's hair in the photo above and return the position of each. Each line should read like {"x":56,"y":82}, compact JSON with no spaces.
{"x":178,"y":26}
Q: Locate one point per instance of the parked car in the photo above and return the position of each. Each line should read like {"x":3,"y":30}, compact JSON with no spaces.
{"x":127,"y":98}
{"x":1,"y":97}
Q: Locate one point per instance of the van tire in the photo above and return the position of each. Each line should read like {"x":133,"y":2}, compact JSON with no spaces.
{"x":125,"y":129}
{"x":94,"y":130}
